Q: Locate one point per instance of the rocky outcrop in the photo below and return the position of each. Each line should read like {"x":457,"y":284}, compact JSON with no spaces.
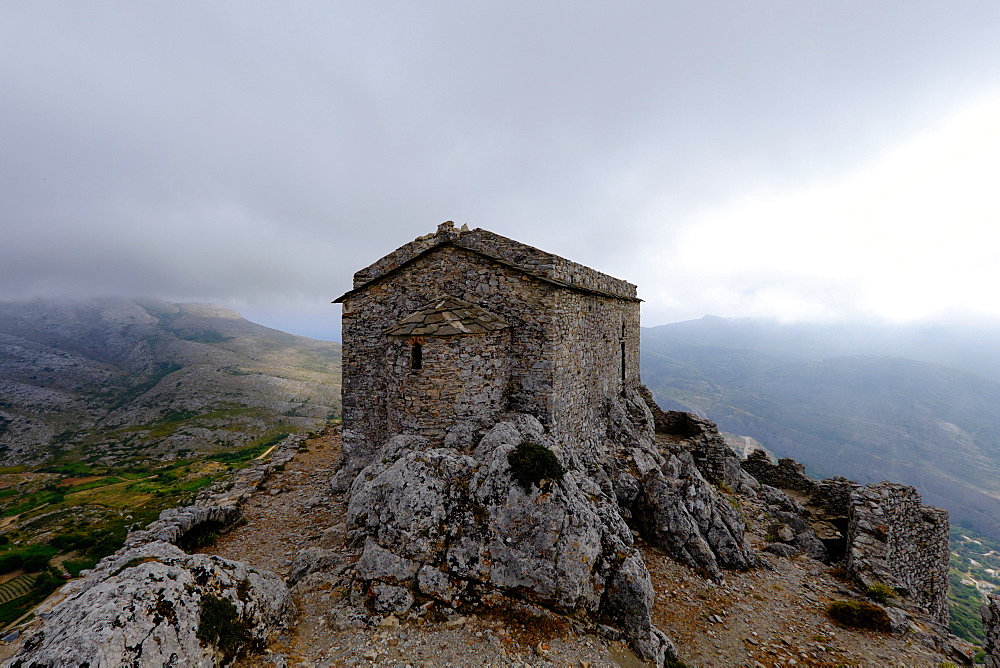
{"x":156,"y":605}
{"x":679,"y":511}
{"x":991,"y":625}
{"x":456,"y":525}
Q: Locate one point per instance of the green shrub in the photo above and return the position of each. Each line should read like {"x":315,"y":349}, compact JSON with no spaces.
{"x":32,"y":558}
{"x":530,"y":463}
{"x":859,"y":614}
{"x":220,"y":625}
{"x":880,"y":592}
{"x":200,"y":536}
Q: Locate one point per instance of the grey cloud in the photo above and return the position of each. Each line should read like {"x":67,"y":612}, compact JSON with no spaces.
{"x":240,"y":150}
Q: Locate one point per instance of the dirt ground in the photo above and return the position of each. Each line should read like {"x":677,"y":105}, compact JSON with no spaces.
{"x":766,"y":617}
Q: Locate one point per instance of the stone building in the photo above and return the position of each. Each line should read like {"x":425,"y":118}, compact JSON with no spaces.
{"x":452,"y":330}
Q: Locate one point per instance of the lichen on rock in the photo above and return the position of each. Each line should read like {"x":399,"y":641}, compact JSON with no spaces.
{"x":459,"y":527}
{"x":143,"y":606}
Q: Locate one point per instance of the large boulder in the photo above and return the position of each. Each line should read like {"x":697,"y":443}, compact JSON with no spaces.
{"x":155,"y":605}
{"x":457,"y":524}
{"x":458,"y":528}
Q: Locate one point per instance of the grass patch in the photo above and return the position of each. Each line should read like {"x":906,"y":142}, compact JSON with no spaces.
{"x":74,"y":566}
{"x":31,"y":558}
{"x":859,"y":614}
{"x":880,"y":592}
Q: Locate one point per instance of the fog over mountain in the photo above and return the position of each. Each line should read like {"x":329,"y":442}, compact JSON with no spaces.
{"x":917,"y":405}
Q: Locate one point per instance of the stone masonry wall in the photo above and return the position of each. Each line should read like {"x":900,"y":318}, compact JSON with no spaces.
{"x":991,"y":624}
{"x":523,"y":302}
{"x":462,"y":386}
{"x":894,"y":539}
{"x":588,"y":333}
{"x":834,"y":495}
{"x":787,"y":474}
{"x":716,"y":460}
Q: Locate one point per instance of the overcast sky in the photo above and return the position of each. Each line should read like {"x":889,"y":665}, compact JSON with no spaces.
{"x":793,"y":159}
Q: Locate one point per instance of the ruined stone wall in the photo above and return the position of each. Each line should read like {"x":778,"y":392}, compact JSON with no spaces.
{"x":715,"y":460}
{"x":991,"y":624}
{"x":462,"y":385}
{"x":525,"y":303}
{"x":587,"y":334}
{"x":894,"y":539}
{"x":834,"y":496}
{"x":787,"y":474}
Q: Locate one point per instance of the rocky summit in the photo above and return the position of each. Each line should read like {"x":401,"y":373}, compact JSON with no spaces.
{"x":443,"y":556}
{"x":503,"y":476}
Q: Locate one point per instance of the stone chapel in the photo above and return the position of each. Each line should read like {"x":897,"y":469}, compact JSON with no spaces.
{"x":450,"y":331}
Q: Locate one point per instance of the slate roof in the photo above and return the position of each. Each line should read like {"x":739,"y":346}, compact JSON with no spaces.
{"x":512,"y":254}
{"x":448,"y":316}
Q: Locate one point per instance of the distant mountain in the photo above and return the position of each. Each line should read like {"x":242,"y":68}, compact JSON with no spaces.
{"x":114,"y":379}
{"x":844,"y":401}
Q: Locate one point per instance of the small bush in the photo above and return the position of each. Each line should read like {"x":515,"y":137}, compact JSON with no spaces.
{"x":220,"y":625}
{"x":201,"y":535}
{"x":31,"y":559}
{"x":859,"y":614}
{"x":530,"y":463}
{"x":880,"y":592}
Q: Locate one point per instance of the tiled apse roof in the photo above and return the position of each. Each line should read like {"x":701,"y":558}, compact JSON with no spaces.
{"x":448,"y":316}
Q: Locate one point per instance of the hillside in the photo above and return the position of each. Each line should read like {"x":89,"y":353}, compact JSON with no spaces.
{"x":113,"y":380}
{"x":834,"y":400}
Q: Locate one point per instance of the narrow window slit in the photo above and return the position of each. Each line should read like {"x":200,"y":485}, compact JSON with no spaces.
{"x":416,"y":356}
{"x":623,"y":353}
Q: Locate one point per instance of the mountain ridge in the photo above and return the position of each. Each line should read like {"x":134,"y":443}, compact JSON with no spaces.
{"x":112,"y":377}
{"x":839,"y":408}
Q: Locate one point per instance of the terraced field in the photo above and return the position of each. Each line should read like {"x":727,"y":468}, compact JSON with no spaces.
{"x":17,"y":587}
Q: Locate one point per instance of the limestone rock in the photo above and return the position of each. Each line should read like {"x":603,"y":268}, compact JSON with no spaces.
{"x":142,"y":606}
{"x":455,"y":527}
{"x":310,"y":560}
{"x":781,"y":549}
{"x":679,"y":511}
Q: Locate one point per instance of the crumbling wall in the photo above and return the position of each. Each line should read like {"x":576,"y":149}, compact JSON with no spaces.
{"x":991,"y":624}
{"x":715,"y":460}
{"x":896,"y":540}
{"x":834,"y":496}
{"x":787,"y":474}
{"x":891,"y":537}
